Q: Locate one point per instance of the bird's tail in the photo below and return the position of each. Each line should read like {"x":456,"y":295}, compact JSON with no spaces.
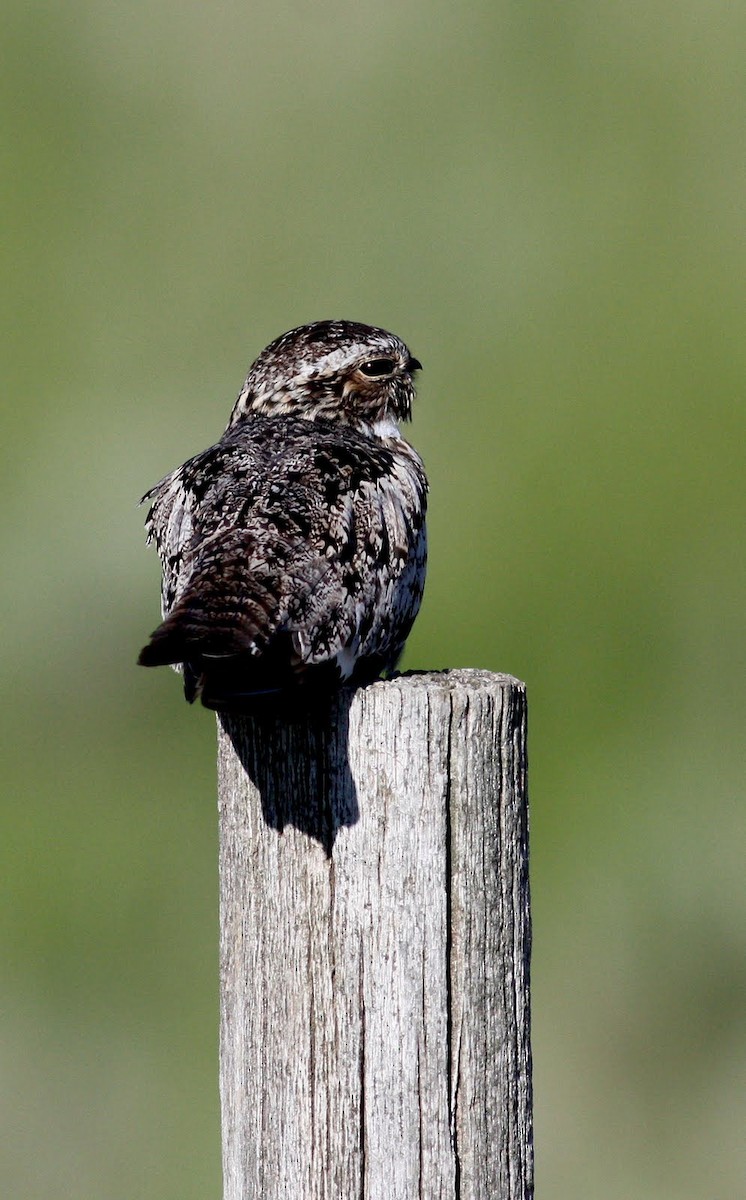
{"x":208,"y":622}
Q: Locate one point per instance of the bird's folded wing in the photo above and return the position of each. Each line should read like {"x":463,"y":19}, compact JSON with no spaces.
{"x":254,"y":546}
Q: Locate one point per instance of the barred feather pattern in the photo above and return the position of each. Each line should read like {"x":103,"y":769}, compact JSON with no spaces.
{"x":293,"y":551}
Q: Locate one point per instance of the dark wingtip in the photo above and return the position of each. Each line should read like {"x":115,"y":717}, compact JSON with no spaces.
{"x":164,"y":648}
{"x":149,"y":656}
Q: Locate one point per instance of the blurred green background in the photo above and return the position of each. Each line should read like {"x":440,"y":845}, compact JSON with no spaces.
{"x":547,"y":202}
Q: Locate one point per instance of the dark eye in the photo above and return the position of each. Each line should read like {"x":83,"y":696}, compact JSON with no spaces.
{"x":378,"y":366}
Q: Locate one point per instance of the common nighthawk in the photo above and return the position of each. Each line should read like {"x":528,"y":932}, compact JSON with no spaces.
{"x":294,"y":549}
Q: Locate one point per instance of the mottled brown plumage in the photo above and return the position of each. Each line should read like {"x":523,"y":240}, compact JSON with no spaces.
{"x":293,"y":550}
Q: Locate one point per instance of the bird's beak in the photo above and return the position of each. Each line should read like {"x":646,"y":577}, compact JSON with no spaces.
{"x":414,"y":364}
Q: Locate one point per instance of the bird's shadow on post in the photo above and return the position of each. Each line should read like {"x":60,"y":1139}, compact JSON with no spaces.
{"x":299,"y":763}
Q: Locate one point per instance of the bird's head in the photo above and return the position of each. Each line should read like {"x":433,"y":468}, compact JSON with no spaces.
{"x":331,"y":370}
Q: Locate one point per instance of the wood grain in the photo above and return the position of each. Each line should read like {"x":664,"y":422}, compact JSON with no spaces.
{"x":375,"y":943}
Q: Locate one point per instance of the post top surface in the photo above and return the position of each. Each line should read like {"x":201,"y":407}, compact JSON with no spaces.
{"x":455,"y":679}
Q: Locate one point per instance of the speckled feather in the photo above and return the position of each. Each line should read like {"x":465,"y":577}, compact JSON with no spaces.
{"x":293,"y":550}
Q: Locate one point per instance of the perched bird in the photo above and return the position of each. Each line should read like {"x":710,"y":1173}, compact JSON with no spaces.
{"x":294,"y":549}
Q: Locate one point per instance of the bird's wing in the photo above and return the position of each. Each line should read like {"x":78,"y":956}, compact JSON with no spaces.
{"x":301,"y":531}
{"x":169,"y":525}
{"x":375,"y":549}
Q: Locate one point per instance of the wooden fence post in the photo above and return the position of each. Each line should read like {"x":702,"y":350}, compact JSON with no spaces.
{"x":375,"y":942}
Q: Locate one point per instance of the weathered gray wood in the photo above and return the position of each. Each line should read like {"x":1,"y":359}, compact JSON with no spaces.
{"x":375,"y":940}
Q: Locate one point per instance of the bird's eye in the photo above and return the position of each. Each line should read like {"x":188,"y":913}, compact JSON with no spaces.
{"x":378,"y":366}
